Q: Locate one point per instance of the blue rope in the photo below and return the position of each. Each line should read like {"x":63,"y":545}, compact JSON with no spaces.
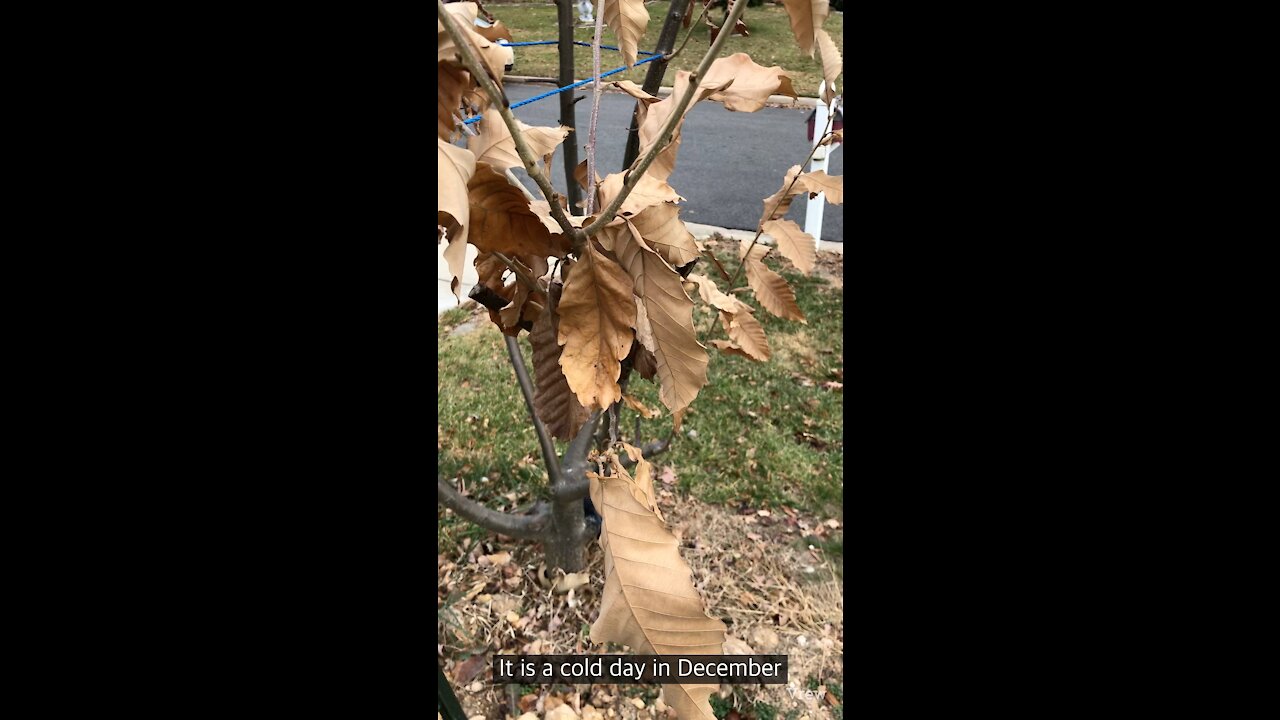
{"x":575,"y":42}
{"x":580,"y":83}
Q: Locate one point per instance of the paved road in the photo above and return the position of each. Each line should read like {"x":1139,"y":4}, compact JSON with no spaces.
{"x":728,"y":163}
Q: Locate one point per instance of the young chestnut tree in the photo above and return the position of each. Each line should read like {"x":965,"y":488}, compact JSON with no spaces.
{"x":608,"y":296}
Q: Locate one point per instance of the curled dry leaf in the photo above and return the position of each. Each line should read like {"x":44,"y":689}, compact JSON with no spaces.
{"x":464,"y":15}
{"x":451,"y":81}
{"x":712,"y":296}
{"x":495,"y":57}
{"x":648,"y":191}
{"x":745,"y":331}
{"x":682,"y":362}
{"x":468,"y":669}
{"x":454,"y":169}
{"x":747,"y":85}
{"x":773,"y":292}
{"x":644,"y":363}
{"x":571,"y":581}
{"x":494,"y":145}
{"x":644,"y":331}
{"x":597,"y":314}
{"x":660,"y":226}
{"x":807,"y":16}
{"x":777,"y":204}
{"x":650,"y":130}
{"x":649,"y":600}
{"x":495,"y":32}
{"x":638,"y":93}
{"x":832,"y":186}
{"x":748,"y":250}
{"x":795,"y":245}
{"x":503,"y":221}
{"x":640,"y":408}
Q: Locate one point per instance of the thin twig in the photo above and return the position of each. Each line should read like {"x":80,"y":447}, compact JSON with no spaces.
{"x":520,"y":273}
{"x":633,"y":177}
{"x":742,"y":261}
{"x":696,"y":24}
{"x":597,"y":90}
{"x":481,"y":75}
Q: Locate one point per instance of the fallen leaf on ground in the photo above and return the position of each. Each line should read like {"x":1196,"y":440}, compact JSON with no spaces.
{"x":571,"y":581}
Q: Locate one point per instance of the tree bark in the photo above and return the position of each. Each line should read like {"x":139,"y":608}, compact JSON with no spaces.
{"x":564,"y":16}
{"x":657,"y":69}
{"x":526,"y":527}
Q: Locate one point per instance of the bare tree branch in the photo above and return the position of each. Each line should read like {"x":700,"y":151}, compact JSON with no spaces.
{"x":633,"y":176}
{"x":468,"y":55}
{"x":597,"y":90}
{"x":573,"y":468}
{"x":521,"y":273}
{"x":527,"y":527}
{"x":549,"y":457}
{"x":656,"y":447}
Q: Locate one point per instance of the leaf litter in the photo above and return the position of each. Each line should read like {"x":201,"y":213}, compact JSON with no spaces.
{"x":755,"y":571}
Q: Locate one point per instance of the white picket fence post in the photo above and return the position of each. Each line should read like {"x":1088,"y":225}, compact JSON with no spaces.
{"x":813,"y":211}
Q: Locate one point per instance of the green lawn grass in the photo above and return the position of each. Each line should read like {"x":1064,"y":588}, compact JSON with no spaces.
{"x":762,"y":435}
{"x":771,"y":43}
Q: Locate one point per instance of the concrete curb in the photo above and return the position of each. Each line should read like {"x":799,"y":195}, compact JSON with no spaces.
{"x":701,"y":232}
{"x":774,"y":100}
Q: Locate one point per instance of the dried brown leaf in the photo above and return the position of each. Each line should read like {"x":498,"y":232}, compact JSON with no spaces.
{"x":468,"y":669}
{"x":807,"y":16}
{"x":682,"y":362}
{"x":597,"y":314}
{"x":451,"y":82}
{"x":730,"y":348}
{"x":832,"y":186}
{"x":635,"y":91}
{"x":494,"y":145}
{"x":496,"y":32}
{"x":503,"y":221}
{"x":627,"y":19}
{"x":571,"y":581}
{"x":454,"y":169}
{"x":657,"y":116}
{"x":644,"y":331}
{"x":747,"y":84}
{"x":747,"y":333}
{"x":649,"y":191}
{"x":783,"y":197}
{"x":712,"y":296}
{"x":773,"y":292}
{"x":645,"y":364}
{"x":660,"y":226}
{"x":555,"y":404}
{"x":649,"y":601}
{"x":494,"y":56}
{"x":640,"y":408}
{"x":795,"y":244}
{"x":832,"y":64}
